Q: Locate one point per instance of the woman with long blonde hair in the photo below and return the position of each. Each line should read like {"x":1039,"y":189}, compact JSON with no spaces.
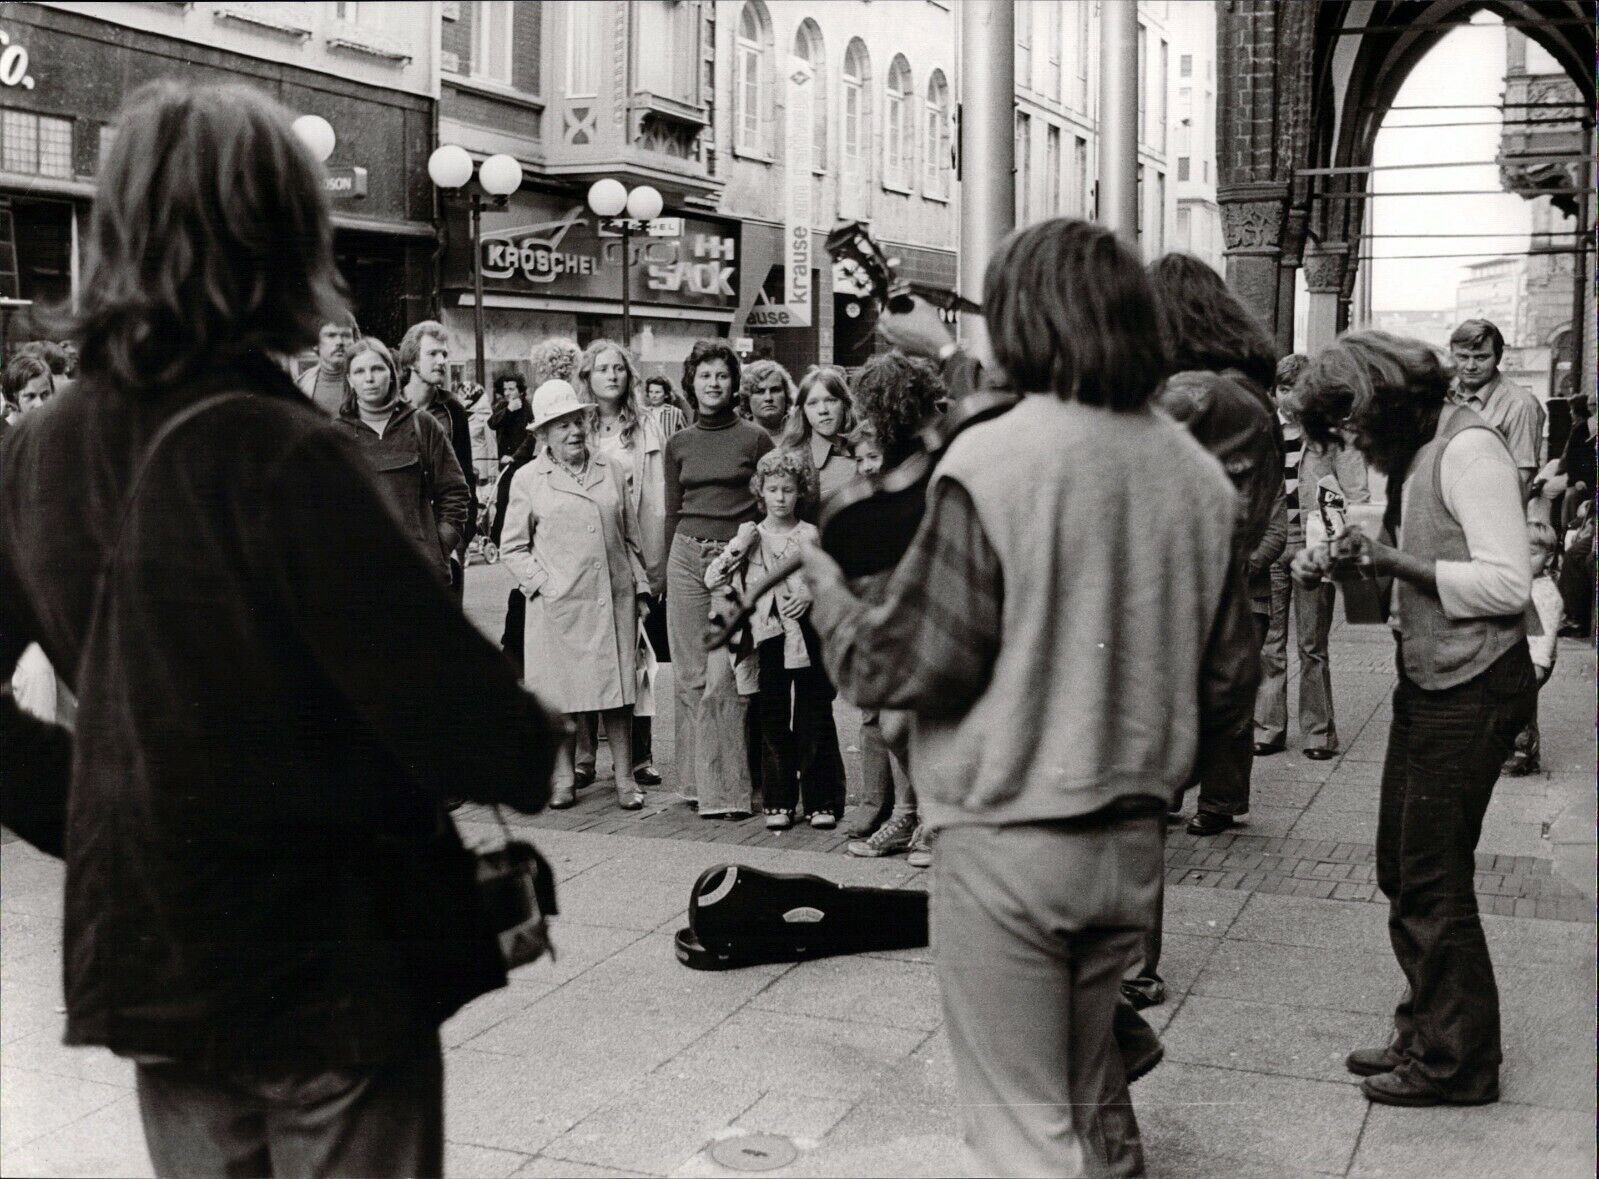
{"x":819,"y":424}
{"x":607,"y":378}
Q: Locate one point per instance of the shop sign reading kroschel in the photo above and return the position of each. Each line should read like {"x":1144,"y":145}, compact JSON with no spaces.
{"x":14,"y":64}
{"x":567,"y":254}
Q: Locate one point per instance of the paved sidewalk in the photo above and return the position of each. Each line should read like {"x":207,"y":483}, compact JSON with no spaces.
{"x":616,"y":1060}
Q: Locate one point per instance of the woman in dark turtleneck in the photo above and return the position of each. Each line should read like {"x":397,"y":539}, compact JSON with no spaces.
{"x":410,"y":453}
{"x":708,"y":471}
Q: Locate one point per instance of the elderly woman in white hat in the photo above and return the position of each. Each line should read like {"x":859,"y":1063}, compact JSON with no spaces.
{"x":572,"y":541}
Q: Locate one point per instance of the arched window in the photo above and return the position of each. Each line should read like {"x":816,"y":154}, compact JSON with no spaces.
{"x":857,"y":114}
{"x":808,"y":45}
{"x":899,"y":127}
{"x":936,"y":179}
{"x":750,"y":90}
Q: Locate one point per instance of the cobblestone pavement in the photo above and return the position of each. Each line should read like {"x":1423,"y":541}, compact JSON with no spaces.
{"x":614,"y":1060}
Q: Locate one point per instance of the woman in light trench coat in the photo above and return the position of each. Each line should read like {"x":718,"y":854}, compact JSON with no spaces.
{"x":572,"y":542}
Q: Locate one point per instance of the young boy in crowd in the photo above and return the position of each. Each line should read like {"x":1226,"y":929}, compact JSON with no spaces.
{"x":1547,"y":604}
{"x":798,"y":770}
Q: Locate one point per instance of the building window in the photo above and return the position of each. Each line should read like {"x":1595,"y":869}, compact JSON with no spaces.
{"x":938,"y":161}
{"x":1160,"y":94}
{"x":1080,"y":180}
{"x":584,"y":38}
{"x":1185,"y":65}
{"x":1024,"y":45}
{"x":349,"y":11}
{"x":1052,"y":171}
{"x":36,"y":144}
{"x":1185,"y":229}
{"x":1143,"y":87}
{"x":857,"y":118}
{"x":668,"y":49}
{"x":808,"y":44}
{"x":898,"y":122}
{"x":749,"y":86}
{"x":492,"y":44}
{"x":1052,"y":47}
{"x":1024,"y":168}
{"x":1143,"y":206}
{"x":1182,"y":168}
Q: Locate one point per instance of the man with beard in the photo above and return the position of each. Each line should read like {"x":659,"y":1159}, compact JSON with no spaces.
{"x":324,"y":382}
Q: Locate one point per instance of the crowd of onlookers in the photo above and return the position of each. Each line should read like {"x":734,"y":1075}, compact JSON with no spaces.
{"x":622,"y":505}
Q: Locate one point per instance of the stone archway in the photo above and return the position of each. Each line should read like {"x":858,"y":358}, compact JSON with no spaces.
{"x":1304,"y":88}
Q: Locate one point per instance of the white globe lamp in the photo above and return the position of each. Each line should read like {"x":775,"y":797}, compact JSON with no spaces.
{"x":644,"y":203}
{"x":450,"y":166}
{"x":317,"y":135}
{"x":500,"y":175}
{"x":607,"y":197}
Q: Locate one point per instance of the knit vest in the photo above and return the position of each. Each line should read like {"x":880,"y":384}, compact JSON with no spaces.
{"x":1439,"y":652}
{"x":1114,"y":535}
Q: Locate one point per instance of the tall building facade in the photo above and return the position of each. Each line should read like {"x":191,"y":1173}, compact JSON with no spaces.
{"x":369,"y":69}
{"x":1198,"y":217}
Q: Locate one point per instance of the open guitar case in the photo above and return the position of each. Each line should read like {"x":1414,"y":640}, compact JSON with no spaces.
{"x":741,"y":916}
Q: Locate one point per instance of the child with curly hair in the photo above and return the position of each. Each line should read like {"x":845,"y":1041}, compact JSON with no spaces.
{"x":801,"y":768}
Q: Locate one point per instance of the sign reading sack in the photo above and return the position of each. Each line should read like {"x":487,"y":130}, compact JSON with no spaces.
{"x":798,"y":136}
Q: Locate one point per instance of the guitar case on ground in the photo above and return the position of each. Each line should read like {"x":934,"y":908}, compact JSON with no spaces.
{"x":741,"y":916}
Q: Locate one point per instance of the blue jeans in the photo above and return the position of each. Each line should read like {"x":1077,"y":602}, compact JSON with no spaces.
{"x":713,"y":764}
{"x":1445,"y":749}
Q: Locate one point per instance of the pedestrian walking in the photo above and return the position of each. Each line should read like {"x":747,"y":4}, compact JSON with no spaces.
{"x":424,"y":358}
{"x":1063,"y":629}
{"x":766,"y":394}
{"x":324,"y":381}
{"x":1313,"y":451}
{"x":1477,"y":348}
{"x":819,"y":425}
{"x":801,"y":767}
{"x":267,"y":908}
{"x":625,"y":433}
{"x":709,"y":466}
{"x":485,"y":447}
{"x":408,"y":452}
{"x":27,"y":383}
{"x":572,"y":542}
{"x":509,"y":415}
{"x":1455,"y":544}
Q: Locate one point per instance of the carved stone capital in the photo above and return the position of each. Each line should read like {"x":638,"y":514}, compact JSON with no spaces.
{"x":1324,"y":268}
{"x":1252,"y":217}
{"x":1293,"y":237}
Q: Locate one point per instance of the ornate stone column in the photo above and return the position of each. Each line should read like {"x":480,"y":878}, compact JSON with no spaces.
{"x":1252,"y":218}
{"x":1325,"y":267}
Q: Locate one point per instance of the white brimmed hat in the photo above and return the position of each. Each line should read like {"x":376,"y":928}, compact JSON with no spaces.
{"x":552,"y":400}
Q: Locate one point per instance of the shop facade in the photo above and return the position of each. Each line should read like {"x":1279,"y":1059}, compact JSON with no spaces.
{"x":551,"y":268}
{"x":63,"y":77}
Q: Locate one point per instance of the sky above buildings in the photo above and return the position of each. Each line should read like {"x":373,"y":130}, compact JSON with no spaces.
{"x":1467,"y":66}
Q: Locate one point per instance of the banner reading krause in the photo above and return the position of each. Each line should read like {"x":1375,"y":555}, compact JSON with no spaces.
{"x":797,"y":191}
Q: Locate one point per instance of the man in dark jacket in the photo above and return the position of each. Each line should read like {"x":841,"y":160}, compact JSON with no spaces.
{"x":266,"y":905}
{"x":424,"y":356}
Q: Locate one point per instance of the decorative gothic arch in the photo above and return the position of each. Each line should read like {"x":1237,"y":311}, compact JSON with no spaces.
{"x":1306,"y":86}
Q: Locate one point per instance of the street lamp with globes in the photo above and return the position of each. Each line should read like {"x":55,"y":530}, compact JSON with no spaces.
{"x":450,"y":168}
{"x":608,"y":198}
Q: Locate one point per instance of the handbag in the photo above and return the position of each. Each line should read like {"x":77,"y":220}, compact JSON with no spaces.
{"x":514,"y":885}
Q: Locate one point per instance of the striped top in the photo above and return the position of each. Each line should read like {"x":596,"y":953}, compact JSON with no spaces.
{"x":1293,"y":451}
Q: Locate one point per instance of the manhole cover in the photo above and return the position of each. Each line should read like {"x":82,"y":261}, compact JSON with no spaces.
{"x":754,"y":1152}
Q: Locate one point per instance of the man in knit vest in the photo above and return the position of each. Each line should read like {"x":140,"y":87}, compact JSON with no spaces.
{"x":1462,"y":580}
{"x":1065,"y":630}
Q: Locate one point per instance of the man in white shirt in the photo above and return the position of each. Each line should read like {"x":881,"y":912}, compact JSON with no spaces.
{"x":1462,"y":580}
{"x":1477,"y":348}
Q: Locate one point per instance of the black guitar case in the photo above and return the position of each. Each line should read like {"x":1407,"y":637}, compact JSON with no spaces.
{"x":741,"y":916}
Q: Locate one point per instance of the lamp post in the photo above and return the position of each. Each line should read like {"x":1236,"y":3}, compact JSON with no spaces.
{"x":450,"y":168}
{"x":608,"y":198}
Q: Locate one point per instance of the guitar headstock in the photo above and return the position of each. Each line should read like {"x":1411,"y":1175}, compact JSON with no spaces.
{"x":860,"y":261}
